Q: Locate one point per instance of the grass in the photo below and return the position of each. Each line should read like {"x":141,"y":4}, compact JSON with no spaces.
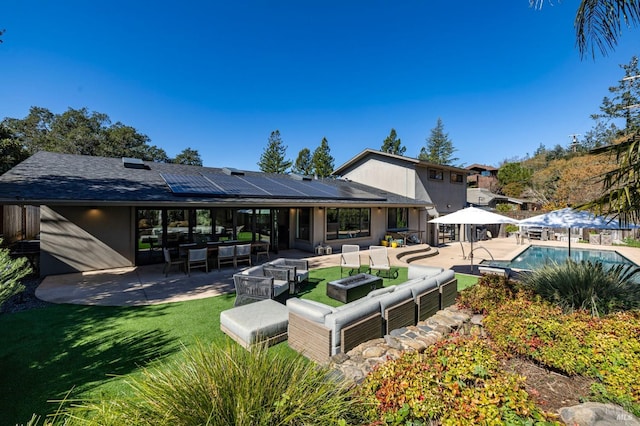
{"x":91,"y":350}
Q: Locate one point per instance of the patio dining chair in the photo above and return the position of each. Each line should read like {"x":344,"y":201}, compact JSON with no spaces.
{"x":243,"y":254}
{"x":226,"y":254}
{"x":350,"y":258}
{"x":197,"y":258}
{"x":379,"y":262}
{"x":169,"y":262}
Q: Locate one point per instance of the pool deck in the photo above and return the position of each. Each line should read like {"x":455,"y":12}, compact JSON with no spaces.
{"x":146,"y":285}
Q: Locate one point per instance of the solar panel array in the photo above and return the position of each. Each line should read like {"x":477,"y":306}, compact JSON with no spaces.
{"x":253,"y":186}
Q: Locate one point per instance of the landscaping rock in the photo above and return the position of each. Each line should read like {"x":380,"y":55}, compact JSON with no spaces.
{"x":359,"y":361}
{"x":597,"y":414}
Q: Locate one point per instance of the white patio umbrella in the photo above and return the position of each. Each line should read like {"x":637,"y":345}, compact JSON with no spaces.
{"x":473,"y":216}
{"x":570,"y":218}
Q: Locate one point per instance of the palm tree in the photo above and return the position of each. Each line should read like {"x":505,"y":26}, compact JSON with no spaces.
{"x":599,"y":22}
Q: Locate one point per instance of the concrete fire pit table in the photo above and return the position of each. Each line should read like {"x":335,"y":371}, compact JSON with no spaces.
{"x":354,"y":287}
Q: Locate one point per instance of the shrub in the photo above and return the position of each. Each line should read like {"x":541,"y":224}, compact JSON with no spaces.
{"x":586,"y":285}
{"x":489,"y":292}
{"x":457,"y":381}
{"x":231,"y":385}
{"x":604,"y":348}
{"x":11,"y":272}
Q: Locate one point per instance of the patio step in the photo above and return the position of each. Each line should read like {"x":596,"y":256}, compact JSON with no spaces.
{"x":424,"y":251}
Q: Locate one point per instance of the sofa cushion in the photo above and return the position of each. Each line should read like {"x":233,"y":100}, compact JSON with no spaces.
{"x":418,"y":271}
{"x":309,"y":309}
{"x":392,"y":299}
{"x":445,"y":276}
{"x":422,"y":286}
{"x":380,"y":291}
{"x":280,"y":287}
{"x":356,"y":311}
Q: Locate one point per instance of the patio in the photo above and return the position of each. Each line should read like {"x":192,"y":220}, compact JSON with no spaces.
{"x":147,"y":285}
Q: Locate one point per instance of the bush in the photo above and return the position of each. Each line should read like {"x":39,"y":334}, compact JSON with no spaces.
{"x":604,"y":348}
{"x":457,"y":381}
{"x":489,"y":292}
{"x":11,"y":272}
{"x":586,"y":285}
{"x":230,"y":386}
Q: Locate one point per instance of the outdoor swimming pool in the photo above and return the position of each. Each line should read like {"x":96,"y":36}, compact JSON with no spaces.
{"x":535,"y":257}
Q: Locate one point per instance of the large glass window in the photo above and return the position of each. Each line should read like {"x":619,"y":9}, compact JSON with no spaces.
{"x":223,"y":224}
{"x":149,"y":235}
{"x":177,"y":227}
{"x":244,"y":225}
{"x":263,"y":225}
{"x":398,"y":218}
{"x":202,"y":231}
{"x":303,"y":224}
{"x":348,"y":223}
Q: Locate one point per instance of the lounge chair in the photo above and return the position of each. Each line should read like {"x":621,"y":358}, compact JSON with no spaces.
{"x":379,"y":262}
{"x":350,"y":259}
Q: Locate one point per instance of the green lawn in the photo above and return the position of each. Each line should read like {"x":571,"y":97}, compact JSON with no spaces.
{"x":90,"y":350}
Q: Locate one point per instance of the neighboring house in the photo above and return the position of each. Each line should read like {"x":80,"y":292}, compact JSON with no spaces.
{"x":481,"y":176}
{"x":443,"y":186}
{"x":479,"y":197}
{"x":101,"y":213}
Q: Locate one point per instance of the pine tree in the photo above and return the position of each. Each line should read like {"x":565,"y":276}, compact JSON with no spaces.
{"x":392,"y":144}
{"x":439,"y":149}
{"x":322,"y":160}
{"x":189,"y":157}
{"x":303,"y":165}
{"x":273,"y":159}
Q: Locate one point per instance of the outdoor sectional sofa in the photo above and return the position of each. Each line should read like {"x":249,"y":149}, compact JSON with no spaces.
{"x":320,"y":331}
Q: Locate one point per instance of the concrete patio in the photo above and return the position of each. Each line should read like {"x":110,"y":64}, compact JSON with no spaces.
{"x":146,"y":285}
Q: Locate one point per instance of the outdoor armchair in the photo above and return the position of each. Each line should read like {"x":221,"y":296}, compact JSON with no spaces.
{"x":379,"y":262}
{"x":252,"y":288}
{"x":350,"y":258}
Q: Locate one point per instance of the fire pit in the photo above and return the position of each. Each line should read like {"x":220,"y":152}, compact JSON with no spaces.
{"x":353,"y":287}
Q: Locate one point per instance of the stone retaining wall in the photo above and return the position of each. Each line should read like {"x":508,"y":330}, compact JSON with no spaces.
{"x":359,"y":361}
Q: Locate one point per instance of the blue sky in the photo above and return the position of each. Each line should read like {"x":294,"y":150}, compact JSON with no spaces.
{"x":220,"y":76}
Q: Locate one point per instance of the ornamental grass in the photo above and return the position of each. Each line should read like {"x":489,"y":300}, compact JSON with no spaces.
{"x":226,"y":386}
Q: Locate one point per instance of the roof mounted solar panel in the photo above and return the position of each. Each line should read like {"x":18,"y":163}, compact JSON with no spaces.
{"x":236,"y":185}
{"x":191,"y":185}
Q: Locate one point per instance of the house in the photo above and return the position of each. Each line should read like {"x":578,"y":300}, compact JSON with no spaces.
{"x":481,"y":176}
{"x":100,"y":213}
{"x":443,"y":187}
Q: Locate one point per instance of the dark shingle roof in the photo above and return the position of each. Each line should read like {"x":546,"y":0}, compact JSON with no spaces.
{"x":51,"y":178}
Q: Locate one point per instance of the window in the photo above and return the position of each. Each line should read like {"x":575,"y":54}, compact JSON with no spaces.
{"x":456,"y":177}
{"x":303,"y":224}
{"x":435,"y":174}
{"x":397,"y":218}
{"x":348,"y":223}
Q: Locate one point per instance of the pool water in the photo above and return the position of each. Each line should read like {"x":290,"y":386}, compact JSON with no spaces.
{"x":536,"y":257}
